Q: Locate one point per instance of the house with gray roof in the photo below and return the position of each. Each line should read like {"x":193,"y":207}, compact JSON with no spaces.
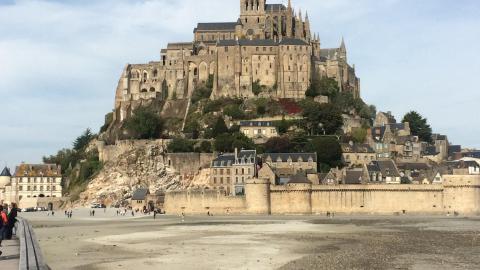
{"x":230,"y":171}
{"x":383,"y":172}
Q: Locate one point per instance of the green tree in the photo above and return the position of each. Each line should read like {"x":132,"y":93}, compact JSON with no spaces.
{"x":419,"y":126}
{"x":283,"y":126}
{"x":278,"y":145}
{"x":202,"y":92}
{"x":144,"y":124}
{"x":83,"y":140}
{"x":233,"y":110}
{"x":205,"y":147}
{"x":321,"y":118}
{"x":359,"y":135}
{"x":220,"y":127}
{"x":228,"y":142}
{"x":256,"y":88}
{"x":329,"y":152}
{"x":180,"y":145}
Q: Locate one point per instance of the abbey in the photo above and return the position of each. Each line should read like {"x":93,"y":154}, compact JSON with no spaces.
{"x":270,"y":46}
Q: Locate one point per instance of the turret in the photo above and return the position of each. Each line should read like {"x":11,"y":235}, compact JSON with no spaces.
{"x":5,"y":177}
{"x":308,"y":34}
{"x":289,"y":29}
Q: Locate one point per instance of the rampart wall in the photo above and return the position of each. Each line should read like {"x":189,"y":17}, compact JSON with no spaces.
{"x":459,"y":194}
{"x":200,"y":202}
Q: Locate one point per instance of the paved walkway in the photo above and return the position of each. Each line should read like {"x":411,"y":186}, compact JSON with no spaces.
{"x":9,"y":260}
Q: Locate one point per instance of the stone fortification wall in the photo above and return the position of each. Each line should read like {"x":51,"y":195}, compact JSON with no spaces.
{"x":377,"y":199}
{"x":459,"y":194}
{"x":462,"y":194}
{"x":200,"y":202}
{"x":189,"y":163}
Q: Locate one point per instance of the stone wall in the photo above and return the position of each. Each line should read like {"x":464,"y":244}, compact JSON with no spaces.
{"x":200,"y":202}
{"x":459,"y":194}
{"x":189,"y":163}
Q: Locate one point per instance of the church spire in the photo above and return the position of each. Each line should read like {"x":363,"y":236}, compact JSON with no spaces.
{"x":342,"y":45}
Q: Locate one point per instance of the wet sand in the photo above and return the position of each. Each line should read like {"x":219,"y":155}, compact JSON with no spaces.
{"x":247,"y":242}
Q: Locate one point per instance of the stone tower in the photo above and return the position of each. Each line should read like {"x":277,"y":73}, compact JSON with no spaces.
{"x":257,"y":194}
{"x":5,"y":177}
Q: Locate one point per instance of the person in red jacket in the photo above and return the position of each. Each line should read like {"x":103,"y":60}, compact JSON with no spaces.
{"x":3,"y":225}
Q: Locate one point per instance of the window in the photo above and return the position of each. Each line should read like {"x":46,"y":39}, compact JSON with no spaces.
{"x":215,"y":180}
{"x":256,"y":49}
{"x":226,"y":49}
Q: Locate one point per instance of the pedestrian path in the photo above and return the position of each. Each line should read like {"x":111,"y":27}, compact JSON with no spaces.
{"x":10,"y":258}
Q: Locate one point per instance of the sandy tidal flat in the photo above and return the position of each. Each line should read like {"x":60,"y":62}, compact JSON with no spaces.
{"x":243,"y":242}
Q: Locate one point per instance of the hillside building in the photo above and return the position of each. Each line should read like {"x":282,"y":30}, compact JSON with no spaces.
{"x":269,"y":45}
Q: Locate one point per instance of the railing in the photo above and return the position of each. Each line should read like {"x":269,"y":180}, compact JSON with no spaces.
{"x":31,"y":257}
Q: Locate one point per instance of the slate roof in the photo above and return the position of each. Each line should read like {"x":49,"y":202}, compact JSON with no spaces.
{"x":275,"y":7}
{"x":6,"y":172}
{"x":353,"y":177}
{"x":218,"y":26}
{"x":262,"y":42}
{"x":413,"y":166}
{"x":294,"y":156}
{"x":454,"y":149}
{"x":140,"y":194}
{"x":299,"y":178}
{"x":293,"y":41}
{"x":357,"y":148}
{"x":38,"y":170}
{"x":226,"y":160}
{"x":472,"y":154}
{"x":327,"y":54}
{"x":256,"y":124}
{"x":386,"y":167}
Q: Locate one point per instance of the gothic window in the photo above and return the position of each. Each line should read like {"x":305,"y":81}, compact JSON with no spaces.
{"x":155,"y":73}
{"x":258,"y":19}
{"x":152,"y":89}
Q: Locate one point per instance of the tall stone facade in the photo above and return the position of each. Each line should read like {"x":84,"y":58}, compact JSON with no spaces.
{"x":269,"y":45}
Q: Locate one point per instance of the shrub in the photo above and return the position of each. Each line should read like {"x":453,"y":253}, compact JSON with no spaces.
{"x":144,"y":124}
{"x":180,"y":145}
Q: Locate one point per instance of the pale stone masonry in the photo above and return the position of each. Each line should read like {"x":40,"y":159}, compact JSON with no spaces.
{"x":31,"y":181}
{"x":269,"y":45}
{"x":230,"y":171}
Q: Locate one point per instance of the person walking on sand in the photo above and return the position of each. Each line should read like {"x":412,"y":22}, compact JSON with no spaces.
{"x":93,"y":213}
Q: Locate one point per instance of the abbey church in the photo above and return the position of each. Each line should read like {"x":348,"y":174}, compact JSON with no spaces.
{"x":270,"y":45}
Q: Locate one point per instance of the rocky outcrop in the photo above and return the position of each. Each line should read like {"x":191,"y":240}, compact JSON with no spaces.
{"x":142,"y":166}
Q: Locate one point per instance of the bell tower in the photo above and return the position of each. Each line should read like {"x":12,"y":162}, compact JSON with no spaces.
{"x":253,"y":18}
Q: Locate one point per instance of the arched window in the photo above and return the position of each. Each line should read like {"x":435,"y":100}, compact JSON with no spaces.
{"x":144,"y":90}
{"x":152,"y":89}
{"x":155,"y":73}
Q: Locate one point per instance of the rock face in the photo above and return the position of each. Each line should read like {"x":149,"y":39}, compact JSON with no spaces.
{"x":142,"y":166}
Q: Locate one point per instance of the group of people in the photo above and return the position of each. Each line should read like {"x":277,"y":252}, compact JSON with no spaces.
{"x":68,"y":214}
{"x":8,"y":217}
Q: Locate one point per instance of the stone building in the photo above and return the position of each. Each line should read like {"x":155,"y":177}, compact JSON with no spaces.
{"x":286,"y":165}
{"x":258,"y":130}
{"x":143,"y":199}
{"x":383,"y":172}
{"x":230,"y":171}
{"x":269,"y":45}
{"x":357,"y":154}
{"x":31,"y":181}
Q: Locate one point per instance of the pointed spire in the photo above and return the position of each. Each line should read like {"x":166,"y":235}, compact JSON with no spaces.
{"x":300,"y":14}
{"x":342,"y":45}
{"x":306,"y":17}
{"x":289,"y":4}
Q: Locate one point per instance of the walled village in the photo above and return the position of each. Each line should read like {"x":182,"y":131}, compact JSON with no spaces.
{"x":253,"y":116}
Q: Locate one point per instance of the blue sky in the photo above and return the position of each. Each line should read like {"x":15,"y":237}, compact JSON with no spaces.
{"x":60,"y":60}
